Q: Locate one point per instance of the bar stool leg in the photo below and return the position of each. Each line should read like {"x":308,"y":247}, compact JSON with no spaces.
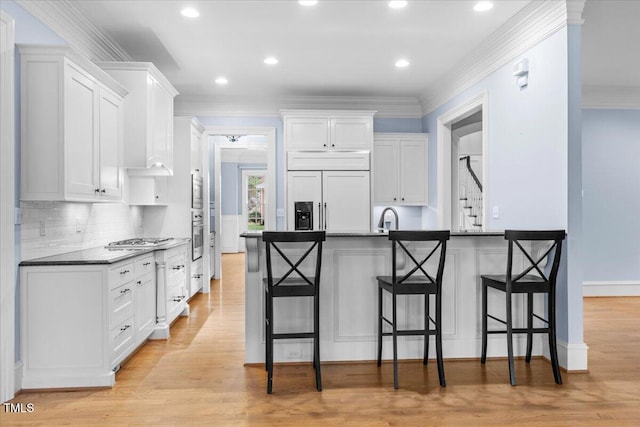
{"x":483,"y":357}
{"x":512,"y":371}
{"x":529,"y":326}
{"x":439,"y":339}
{"x":553,"y":350}
{"x":426,"y":329}
{"x":316,"y":340}
{"x":395,"y":344}
{"x":379,"y":325}
{"x":270,"y":344}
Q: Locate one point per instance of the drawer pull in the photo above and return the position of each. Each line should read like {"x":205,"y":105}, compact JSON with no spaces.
{"x":178,"y":267}
{"x":146,"y":263}
{"x":197,"y":276}
{"x":124,"y":272}
{"x":124,"y":291}
{"x":125,"y":327}
{"x":177,"y":299}
{"x":139,"y":282}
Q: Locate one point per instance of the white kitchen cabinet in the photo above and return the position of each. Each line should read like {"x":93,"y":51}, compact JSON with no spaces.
{"x":72,"y":127}
{"x":196,"y":282}
{"x":400,"y":169}
{"x":148,"y":191}
{"x":322,"y":130}
{"x":341,"y":199}
{"x":172,"y":272}
{"x":145,"y":298}
{"x":148,"y":125}
{"x":79,"y":322}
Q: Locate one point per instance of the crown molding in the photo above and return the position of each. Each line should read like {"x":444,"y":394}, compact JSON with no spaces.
{"x":386,"y":107}
{"x":611,"y":97}
{"x":63,"y":18}
{"x":533,"y":24}
{"x":574,"y":12}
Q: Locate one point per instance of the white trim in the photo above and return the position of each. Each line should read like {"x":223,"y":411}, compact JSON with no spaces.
{"x":66,"y":20}
{"x":7,"y":209}
{"x":574,"y":12}
{"x":611,"y":97}
{"x":18,"y":374}
{"x":386,"y":107}
{"x":611,"y":288}
{"x":443,"y":161}
{"x":270,"y":134}
{"x":533,"y":24}
{"x":572,"y":357}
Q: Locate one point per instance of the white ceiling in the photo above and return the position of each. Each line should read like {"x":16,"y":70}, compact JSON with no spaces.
{"x":339,"y":47}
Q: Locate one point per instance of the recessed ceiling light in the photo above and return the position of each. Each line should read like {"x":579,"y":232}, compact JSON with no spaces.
{"x":483,"y":6}
{"x":402,"y":63}
{"x":271,"y":60}
{"x":308,"y":2}
{"x":397,"y":4}
{"x":222,"y":81}
{"x":190,"y":12}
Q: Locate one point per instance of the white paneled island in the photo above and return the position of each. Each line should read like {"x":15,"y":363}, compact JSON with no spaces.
{"x":348,"y":301}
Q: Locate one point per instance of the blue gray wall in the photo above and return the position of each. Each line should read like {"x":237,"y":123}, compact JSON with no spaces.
{"x":611,"y":183}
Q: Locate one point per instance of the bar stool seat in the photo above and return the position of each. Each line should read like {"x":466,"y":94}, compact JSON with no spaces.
{"x":293,"y":283}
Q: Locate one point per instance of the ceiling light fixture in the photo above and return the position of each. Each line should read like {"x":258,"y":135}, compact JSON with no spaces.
{"x":483,"y":6}
{"x":397,"y":4}
{"x":271,"y":60}
{"x":222,"y":81}
{"x":308,"y":2}
{"x":190,"y":12}
{"x":402,"y":63}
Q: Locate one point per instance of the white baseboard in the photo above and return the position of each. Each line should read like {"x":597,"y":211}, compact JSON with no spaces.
{"x":628,"y":288}
{"x":572,"y":357}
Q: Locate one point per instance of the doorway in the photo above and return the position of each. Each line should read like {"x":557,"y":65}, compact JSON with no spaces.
{"x":250,"y":148}
{"x":254,"y":190}
{"x":453,"y":176}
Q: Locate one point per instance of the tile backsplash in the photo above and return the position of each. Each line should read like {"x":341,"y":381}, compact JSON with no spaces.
{"x":51,"y":228}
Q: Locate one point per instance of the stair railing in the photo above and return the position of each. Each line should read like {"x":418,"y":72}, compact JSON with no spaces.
{"x":470,"y":194}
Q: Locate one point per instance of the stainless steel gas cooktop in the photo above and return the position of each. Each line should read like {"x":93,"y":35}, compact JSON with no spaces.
{"x":139,"y":242}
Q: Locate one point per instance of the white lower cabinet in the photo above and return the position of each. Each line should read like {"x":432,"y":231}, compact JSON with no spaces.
{"x":173,"y":267}
{"x":197,"y":280}
{"x":340,"y":199}
{"x":79,"y":322}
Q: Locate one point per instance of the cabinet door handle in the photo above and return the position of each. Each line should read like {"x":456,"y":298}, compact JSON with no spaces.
{"x":97,"y":190}
{"x":395,"y":198}
{"x":103,"y":191}
{"x":320,"y":214}
{"x":403,"y":199}
{"x":139,"y":282}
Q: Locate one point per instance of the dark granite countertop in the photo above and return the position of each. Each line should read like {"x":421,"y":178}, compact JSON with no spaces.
{"x":256,"y":234}
{"x":99,"y":255}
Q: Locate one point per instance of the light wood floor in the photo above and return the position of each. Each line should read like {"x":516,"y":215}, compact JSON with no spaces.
{"x":197,"y":377}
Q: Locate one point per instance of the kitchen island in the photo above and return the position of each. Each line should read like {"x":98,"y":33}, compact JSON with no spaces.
{"x":348,"y":301}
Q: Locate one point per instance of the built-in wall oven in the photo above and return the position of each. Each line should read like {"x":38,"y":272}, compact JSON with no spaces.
{"x":197,"y":233}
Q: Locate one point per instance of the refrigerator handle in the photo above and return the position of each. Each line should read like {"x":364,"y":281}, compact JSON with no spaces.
{"x":325,"y":215}
{"x":319,"y":219}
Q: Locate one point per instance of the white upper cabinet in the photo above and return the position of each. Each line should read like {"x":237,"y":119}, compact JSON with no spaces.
{"x":400,"y":169}
{"x":321,"y":130}
{"x":72,"y":127}
{"x":148,"y":131}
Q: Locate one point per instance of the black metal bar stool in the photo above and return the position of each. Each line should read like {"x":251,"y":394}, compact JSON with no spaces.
{"x":411,"y":283}
{"x":529,"y":284}
{"x":298,"y":285}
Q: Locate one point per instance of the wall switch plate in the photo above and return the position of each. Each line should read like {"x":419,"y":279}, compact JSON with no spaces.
{"x":495,"y":213}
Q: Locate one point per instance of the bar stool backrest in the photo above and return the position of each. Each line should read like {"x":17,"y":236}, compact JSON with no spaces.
{"x":555,"y":237}
{"x":314,"y":237}
{"x":398,"y":237}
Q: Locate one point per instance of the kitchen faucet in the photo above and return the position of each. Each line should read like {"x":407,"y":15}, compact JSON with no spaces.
{"x":381,"y":222}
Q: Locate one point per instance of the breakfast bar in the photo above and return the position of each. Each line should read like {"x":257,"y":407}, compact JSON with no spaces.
{"x":348,"y":300}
